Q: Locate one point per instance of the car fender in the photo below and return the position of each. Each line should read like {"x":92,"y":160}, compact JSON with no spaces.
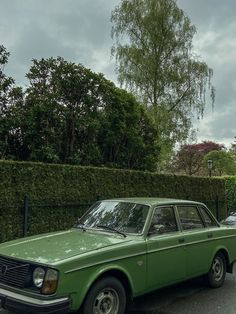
{"x":105,"y":269}
{"x":220,"y":248}
{"x":101,"y":271}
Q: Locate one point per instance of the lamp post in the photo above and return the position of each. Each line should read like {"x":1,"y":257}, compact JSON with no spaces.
{"x":209,"y":166}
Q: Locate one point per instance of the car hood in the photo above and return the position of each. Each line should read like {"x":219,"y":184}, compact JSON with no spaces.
{"x":54,"y":247}
{"x":230,"y":220}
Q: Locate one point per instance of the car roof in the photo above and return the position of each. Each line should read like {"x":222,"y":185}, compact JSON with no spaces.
{"x":153,"y":200}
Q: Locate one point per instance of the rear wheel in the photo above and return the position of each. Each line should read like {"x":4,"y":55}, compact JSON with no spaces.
{"x":107,"y":296}
{"x":216,"y":275}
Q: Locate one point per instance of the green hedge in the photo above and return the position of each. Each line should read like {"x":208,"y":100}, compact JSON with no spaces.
{"x":230,"y":188}
{"x":59,"y":193}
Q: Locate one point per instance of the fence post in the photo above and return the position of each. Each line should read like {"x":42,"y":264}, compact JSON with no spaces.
{"x":25,"y":213}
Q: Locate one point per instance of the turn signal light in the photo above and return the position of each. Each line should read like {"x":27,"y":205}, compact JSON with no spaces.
{"x":50,"y":282}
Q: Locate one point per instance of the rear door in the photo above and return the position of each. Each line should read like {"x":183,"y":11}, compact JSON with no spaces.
{"x":198,"y":238}
{"x":166,"y":261}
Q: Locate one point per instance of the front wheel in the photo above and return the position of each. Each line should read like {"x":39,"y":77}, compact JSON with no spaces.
{"x":107,"y":296}
{"x":216,"y":275}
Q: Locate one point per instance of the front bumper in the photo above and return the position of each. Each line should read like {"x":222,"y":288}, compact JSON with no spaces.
{"x":17,"y":302}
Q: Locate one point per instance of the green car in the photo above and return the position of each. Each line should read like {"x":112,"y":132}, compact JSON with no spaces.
{"x":118,"y":250}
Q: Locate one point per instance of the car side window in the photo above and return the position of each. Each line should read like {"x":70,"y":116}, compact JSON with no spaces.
{"x":209,"y":222}
{"x":163,"y":221}
{"x":189,"y":217}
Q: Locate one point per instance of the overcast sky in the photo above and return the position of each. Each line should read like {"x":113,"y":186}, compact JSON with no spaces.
{"x":79,"y":31}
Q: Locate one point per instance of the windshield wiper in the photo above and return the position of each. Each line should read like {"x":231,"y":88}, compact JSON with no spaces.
{"x":112,"y":229}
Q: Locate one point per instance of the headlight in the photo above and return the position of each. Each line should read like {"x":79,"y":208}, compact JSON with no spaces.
{"x":50,"y":281}
{"x":38,"y":277}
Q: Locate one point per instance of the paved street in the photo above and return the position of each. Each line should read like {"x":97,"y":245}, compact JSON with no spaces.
{"x":192,"y":297}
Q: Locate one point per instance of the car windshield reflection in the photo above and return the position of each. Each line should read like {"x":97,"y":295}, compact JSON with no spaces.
{"x":125,"y":217}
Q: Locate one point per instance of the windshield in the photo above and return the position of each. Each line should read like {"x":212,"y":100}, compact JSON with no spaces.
{"x":122,"y":216}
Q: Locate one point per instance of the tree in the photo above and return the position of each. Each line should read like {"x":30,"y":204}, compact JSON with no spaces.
{"x":189,"y":158}
{"x":73,"y":115}
{"x":64,"y":99}
{"x":11,"y":98}
{"x":222,"y":162}
{"x":232,"y":149}
{"x":128,"y":138}
{"x":155,"y":60}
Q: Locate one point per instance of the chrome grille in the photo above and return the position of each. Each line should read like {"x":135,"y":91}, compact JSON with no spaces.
{"x":12,"y":272}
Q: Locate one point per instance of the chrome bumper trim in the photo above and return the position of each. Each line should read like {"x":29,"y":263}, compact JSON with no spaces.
{"x":30,"y":300}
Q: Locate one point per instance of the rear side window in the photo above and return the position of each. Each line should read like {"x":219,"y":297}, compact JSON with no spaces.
{"x":189,"y":217}
{"x":209,"y":222}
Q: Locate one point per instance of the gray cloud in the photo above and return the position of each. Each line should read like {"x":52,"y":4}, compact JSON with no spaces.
{"x":76,"y":30}
{"x":208,"y":13}
{"x":79,"y":30}
{"x":215,"y":43}
{"x":219,"y":125}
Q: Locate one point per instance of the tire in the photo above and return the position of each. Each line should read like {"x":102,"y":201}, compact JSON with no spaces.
{"x":216,"y":275}
{"x":106,"y":296}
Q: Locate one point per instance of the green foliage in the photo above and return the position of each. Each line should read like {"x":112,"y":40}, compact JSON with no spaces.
{"x":154,"y":57}
{"x":10,"y":99}
{"x":51,"y":188}
{"x":128,"y":138}
{"x":72,"y":115}
{"x":232,"y":149}
{"x":230,"y":188}
{"x":67,"y":99}
{"x":189,"y":159}
{"x":222,"y":162}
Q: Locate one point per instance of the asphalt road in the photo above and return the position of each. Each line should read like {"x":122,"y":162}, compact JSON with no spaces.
{"x":191,"y":297}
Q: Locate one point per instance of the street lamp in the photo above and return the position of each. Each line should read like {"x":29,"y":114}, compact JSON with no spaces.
{"x":209,"y":166}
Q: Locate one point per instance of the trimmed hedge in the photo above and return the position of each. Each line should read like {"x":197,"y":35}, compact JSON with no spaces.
{"x":230,"y":189}
{"x":59,"y":193}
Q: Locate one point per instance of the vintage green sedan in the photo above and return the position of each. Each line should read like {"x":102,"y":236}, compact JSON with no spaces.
{"x":118,"y":250}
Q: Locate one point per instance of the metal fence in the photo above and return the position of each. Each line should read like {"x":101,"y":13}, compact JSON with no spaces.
{"x":32,"y":217}
{"x":75,"y":210}
{"x":71,"y":211}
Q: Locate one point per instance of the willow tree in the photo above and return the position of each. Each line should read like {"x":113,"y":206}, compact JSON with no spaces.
{"x":155,"y":60}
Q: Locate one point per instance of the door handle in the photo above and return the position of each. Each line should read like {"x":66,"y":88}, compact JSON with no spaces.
{"x":181,"y":240}
{"x":210,"y":235}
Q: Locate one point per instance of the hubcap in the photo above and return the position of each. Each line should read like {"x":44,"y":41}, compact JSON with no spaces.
{"x":106,"y":302}
{"x":217,"y":268}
